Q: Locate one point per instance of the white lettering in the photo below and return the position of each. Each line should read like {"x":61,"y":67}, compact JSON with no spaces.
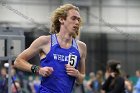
{"x":60,"y":57}
{"x":66,"y":58}
{"x":55,"y":56}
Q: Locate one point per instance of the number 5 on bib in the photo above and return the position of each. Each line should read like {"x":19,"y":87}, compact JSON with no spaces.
{"x":72,"y":60}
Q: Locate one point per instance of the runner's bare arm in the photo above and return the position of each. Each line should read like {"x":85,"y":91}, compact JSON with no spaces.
{"x":81,"y":67}
{"x":21,"y":61}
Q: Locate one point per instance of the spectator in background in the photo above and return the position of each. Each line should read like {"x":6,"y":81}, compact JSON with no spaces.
{"x":99,"y":81}
{"x":14,"y":75}
{"x":36,"y":84}
{"x":16,"y":88}
{"x":95,"y":82}
{"x":128,"y":84}
{"x":3,"y":81}
{"x":30,"y":85}
{"x":114,"y":83}
{"x":89,"y":82}
{"x":137,"y":86}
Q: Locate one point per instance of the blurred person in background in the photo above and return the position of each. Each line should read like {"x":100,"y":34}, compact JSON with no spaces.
{"x":89,"y":82}
{"x":15,"y":87}
{"x":137,"y":86}
{"x":62,"y":56}
{"x":3,"y":81}
{"x":114,"y":82}
{"x":128,"y":84}
{"x":30,"y":85}
{"x":95,"y":82}
{"x":14,"y":74}
{"x":98,"y":82}
{"x":36,"y":84}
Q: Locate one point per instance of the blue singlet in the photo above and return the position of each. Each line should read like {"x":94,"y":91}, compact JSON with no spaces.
{"x":59,"y":81}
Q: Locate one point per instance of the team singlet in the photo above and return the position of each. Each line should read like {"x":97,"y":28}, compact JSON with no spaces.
{"x":59,"y":81}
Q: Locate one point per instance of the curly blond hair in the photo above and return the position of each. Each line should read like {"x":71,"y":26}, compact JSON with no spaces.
{"x":61,"y":12}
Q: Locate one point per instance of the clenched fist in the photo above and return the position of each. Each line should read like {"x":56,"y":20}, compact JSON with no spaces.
{"x":45,"y":71}
{"x":71,"y":70}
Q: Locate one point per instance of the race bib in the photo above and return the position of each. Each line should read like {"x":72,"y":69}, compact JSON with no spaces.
{"x":72,"y":60}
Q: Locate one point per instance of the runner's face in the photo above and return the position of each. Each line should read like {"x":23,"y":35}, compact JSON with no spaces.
{"x":72,"y":22}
